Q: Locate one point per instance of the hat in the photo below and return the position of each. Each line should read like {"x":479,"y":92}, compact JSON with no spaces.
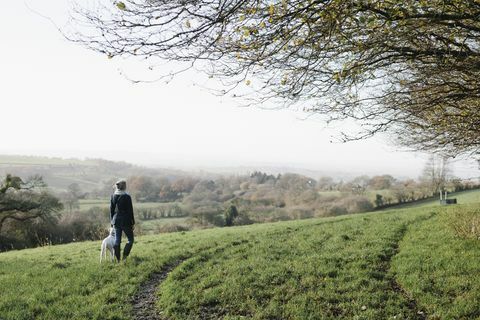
{"x":121,"y":184}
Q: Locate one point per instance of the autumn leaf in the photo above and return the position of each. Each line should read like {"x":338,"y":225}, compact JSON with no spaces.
{"x":121,"y":5}
{"x":271,"y":10}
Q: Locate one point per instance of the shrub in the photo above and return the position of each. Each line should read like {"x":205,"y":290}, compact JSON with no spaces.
{"x":230,"y":214}
{"x":355,"y":204}
{"x":336,"y":210}
{"x":172,"y":227}
{"x":242,"y":220}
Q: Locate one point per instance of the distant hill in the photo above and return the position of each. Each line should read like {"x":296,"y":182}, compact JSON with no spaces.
{"x":58,"y":173}
{"x":91,"y":173}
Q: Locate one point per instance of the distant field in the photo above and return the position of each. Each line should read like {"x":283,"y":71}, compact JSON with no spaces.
{"x":150,"y":226}
{"x":26,"y":160}
{"x":86,"y":204}
{"x":395,"y":264}
{"x":330,"y":193}
{"x":463,"y":197}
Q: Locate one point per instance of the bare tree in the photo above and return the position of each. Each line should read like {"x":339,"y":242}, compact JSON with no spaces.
{"x":408,"y":67}
{"x":436,"y":174}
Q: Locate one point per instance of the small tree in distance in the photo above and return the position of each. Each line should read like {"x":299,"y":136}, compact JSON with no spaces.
{"x":230,"y":214}
{"x":435,"y":174}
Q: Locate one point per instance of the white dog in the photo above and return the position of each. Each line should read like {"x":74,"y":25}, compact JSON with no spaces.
{"x":107,"y":244}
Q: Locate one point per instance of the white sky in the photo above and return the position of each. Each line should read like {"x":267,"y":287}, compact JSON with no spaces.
{"x":59,"y":99}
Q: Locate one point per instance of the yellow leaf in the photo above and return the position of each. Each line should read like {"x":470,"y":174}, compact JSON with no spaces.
{"x":121,"y":5}
{"x":187,"y":24}
{"x":336,"y":77}
{"x":247,"y":82}
{"x":271,"y":9}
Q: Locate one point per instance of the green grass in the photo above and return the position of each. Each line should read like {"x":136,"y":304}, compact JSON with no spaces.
{"x":463,"y":197}
{"x":382,"y":265}
{"x":440,"y":269}
{"x":470,"y":196}
{"x":86,"y":204}
{"x":321,"y":269}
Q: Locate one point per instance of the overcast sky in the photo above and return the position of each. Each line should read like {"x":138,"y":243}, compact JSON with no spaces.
{"x":59,"y":99}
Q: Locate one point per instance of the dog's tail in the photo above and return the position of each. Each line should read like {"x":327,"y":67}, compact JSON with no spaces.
{"x":103,"y":253}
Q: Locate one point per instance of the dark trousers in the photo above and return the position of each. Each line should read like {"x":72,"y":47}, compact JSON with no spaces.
{"x":118,"y":239}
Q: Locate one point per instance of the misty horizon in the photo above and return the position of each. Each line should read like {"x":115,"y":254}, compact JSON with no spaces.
{"x":463,"y":170}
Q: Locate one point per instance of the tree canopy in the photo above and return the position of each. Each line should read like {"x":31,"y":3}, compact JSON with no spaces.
{"x":407,"y":67}
{"x":24,"y":201}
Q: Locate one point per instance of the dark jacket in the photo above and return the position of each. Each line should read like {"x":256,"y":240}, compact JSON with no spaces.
{"x":121,"y":207}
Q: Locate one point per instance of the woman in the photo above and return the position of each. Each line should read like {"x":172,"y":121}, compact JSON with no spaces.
{"x":121,"y":215}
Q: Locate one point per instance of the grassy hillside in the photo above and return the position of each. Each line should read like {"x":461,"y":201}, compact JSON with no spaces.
{"x":438,"y":268}
{"x":403,"y":264}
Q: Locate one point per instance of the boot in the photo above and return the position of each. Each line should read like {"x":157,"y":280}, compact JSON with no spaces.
{"x":126,"y":250}
{"x":116,"y":249}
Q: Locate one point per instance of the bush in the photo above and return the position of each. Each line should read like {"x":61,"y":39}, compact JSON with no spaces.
{"x":81,"y":226}
{"x":230,"y":214}
{"x":242,"y":220}
{"x":356,"y":204}
{"x":336,"y":210}
{"x":172,"y":227}
{"x":70,"y":227}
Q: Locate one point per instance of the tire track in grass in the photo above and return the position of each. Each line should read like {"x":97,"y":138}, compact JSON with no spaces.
{"x":212,"y":311}
{"x":394,"y":285}
{"x":144,"y":301}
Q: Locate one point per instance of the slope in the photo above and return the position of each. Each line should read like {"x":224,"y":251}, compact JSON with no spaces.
{"x":369,"y":266}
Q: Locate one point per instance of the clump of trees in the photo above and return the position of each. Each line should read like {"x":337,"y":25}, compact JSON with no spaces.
{"x":263,"y":197}
{"x":161,"y":211}
{"x":23,"y":204}
{"x":30,"y":216}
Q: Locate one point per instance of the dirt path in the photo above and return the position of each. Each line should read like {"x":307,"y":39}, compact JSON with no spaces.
{"x":143,"y":302}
